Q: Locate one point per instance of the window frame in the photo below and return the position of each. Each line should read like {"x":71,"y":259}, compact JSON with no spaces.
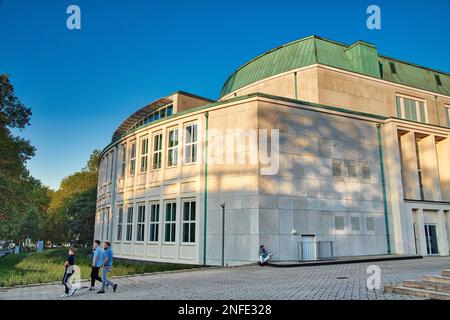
{"x":447,"y":114}
{"x":191,"y":223}
{"x":123,"y":160}
{"x":157,"y":153}
{"x":140,"y":225}
{"x":143,"y":163}
{"x":172,"y":223}
{"x":119,"y":230}
{"x":352,"y":218}
{"x":173,"y":151}
{"x":373,"y":224}
{"x":336,"y":230}
{"x":190,"y":145}
{"x":129,"y":224}
{"x":401,"y":111}
{"x":154,"y":222}
{"x":132,"y":157}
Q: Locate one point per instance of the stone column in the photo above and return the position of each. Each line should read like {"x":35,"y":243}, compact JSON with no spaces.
{"x":443,"y":155}
{"x":442,"y":234}
{"x":411,"y":186}
{"x":430,"y":170}
{"x":421,"y":241}
{"x":402,"y":224}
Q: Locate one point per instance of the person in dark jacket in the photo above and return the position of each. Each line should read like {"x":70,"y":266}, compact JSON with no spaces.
{"x":264,"y":256}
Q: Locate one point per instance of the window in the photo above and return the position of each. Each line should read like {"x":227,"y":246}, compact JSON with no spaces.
{"x":144,"y":152}
{"x":447,"y":113}
{"x":106,"y":223}
{"x":170,"y":221}
{"x":123,"y":159}
{"x":370,"y":224}
{"x":119,"y":224}
{"x":140,"y":223}
{"x":129,"y":229}
{"x":339,"y":223}
{"x":351,"y":170}
{"x":190,"y":144}
{"x":133,"y":158}
{"x":157,"y":151}
{"x":172,"y":148}
{"x":438,"y":80}
{"x":411,"y":109}
{"x":336,"y":169}
{"x":366,"y":172}
{"x":154,"y":222}
{"x":380,"y":66}
{"x":355,"y":223}
{"x":189,"y":221}
{"x":392,"y":66}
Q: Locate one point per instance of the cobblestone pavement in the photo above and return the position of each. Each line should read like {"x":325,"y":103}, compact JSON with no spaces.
{"x":254,"y":282}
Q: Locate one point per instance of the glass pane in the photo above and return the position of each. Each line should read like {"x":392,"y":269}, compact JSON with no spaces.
{"x":406,"y":103}
{"x":422,"y":112}
{"x":193,"y":210}
{"x":412,"y":105}
{"x":185,"y":232}
{"x":186,"y":211}
{"x":167,"y":232}
{"x":192,"y":233}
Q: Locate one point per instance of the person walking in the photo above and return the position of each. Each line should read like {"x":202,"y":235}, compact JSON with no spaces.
{"x":96,"y":264}
{"x":69,"y":271}
{"x":107,"y":262}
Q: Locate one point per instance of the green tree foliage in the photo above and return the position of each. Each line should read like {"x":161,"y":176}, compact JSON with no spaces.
{"x":72,"y":209}
{"x":16,"y":184}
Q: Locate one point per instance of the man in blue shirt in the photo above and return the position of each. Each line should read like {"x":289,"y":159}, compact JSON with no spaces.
{"x":107,"y":262}
{"x":96,"y":264}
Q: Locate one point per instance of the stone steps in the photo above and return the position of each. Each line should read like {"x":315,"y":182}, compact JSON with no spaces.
{"x":438,"y":279}
{"x":431,"y":286}
{"x":430,"y":294}
{"x":435,"y":286}
{"x":445,"y":273}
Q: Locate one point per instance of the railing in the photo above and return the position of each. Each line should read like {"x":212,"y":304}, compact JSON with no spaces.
{"x":315,"y":250}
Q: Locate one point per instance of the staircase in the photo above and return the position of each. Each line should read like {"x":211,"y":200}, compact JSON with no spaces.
{"x":431,"y":287}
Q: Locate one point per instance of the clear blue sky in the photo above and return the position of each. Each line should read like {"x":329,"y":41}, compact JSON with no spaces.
{"x":81,"y":84}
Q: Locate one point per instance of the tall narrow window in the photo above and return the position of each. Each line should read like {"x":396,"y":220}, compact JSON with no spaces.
{"x":119,"y":224}
{"x":189,"y":221}
{"x":154,"y":222}
{"x":144,"y":152}
{"x":411,"y":109}
{"x":123,"y":159}
{"x":172,"y":148}
{"x":129,"y":233}
{"x":107,"y":218}
{"x":132,"y":158}
{"x":336,"y":169}
{"x":140,"y":223}
{"x":190,"y":144}
{"x":157,"y":151}
{"x":419,"y":171}
{"x":170,"y":222}
{"x":447,"y":113}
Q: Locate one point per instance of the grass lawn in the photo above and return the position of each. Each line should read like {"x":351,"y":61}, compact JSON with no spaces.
{"x":31,"y":268}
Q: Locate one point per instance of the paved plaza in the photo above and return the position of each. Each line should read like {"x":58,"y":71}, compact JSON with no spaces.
{"x":343,"y":281}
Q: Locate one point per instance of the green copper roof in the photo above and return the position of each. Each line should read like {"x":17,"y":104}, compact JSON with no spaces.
{"x":360,"y":57}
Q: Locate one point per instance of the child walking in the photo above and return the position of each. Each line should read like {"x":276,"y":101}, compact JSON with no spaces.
{"x":69,"y":271}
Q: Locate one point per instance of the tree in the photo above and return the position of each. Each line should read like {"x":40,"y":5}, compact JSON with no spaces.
{"x":14,"y":152}
{"x":94,"y":161}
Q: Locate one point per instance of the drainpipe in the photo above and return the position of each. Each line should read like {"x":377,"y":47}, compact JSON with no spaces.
{"x":295,"y":85}
{"x":383,"y":184}
{"x":205,"y":204}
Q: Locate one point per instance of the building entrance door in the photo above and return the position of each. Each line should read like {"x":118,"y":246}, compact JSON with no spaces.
{"x":431,"y":239}
{"x":308,"y":248}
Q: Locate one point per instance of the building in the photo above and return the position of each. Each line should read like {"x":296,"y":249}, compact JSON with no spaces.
{"x":360,"y":143}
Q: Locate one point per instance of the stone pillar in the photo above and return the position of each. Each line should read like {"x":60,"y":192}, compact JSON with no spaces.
{"x":442,"y":234}
{"x":411,"y":187}
{"x":421,"y":241}
{"x":402,"y":220}
{"x":443,"y":155}
{"x":430,"y":170}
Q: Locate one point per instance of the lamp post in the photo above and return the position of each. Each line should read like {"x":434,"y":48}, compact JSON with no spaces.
{"x":223,"y":233}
